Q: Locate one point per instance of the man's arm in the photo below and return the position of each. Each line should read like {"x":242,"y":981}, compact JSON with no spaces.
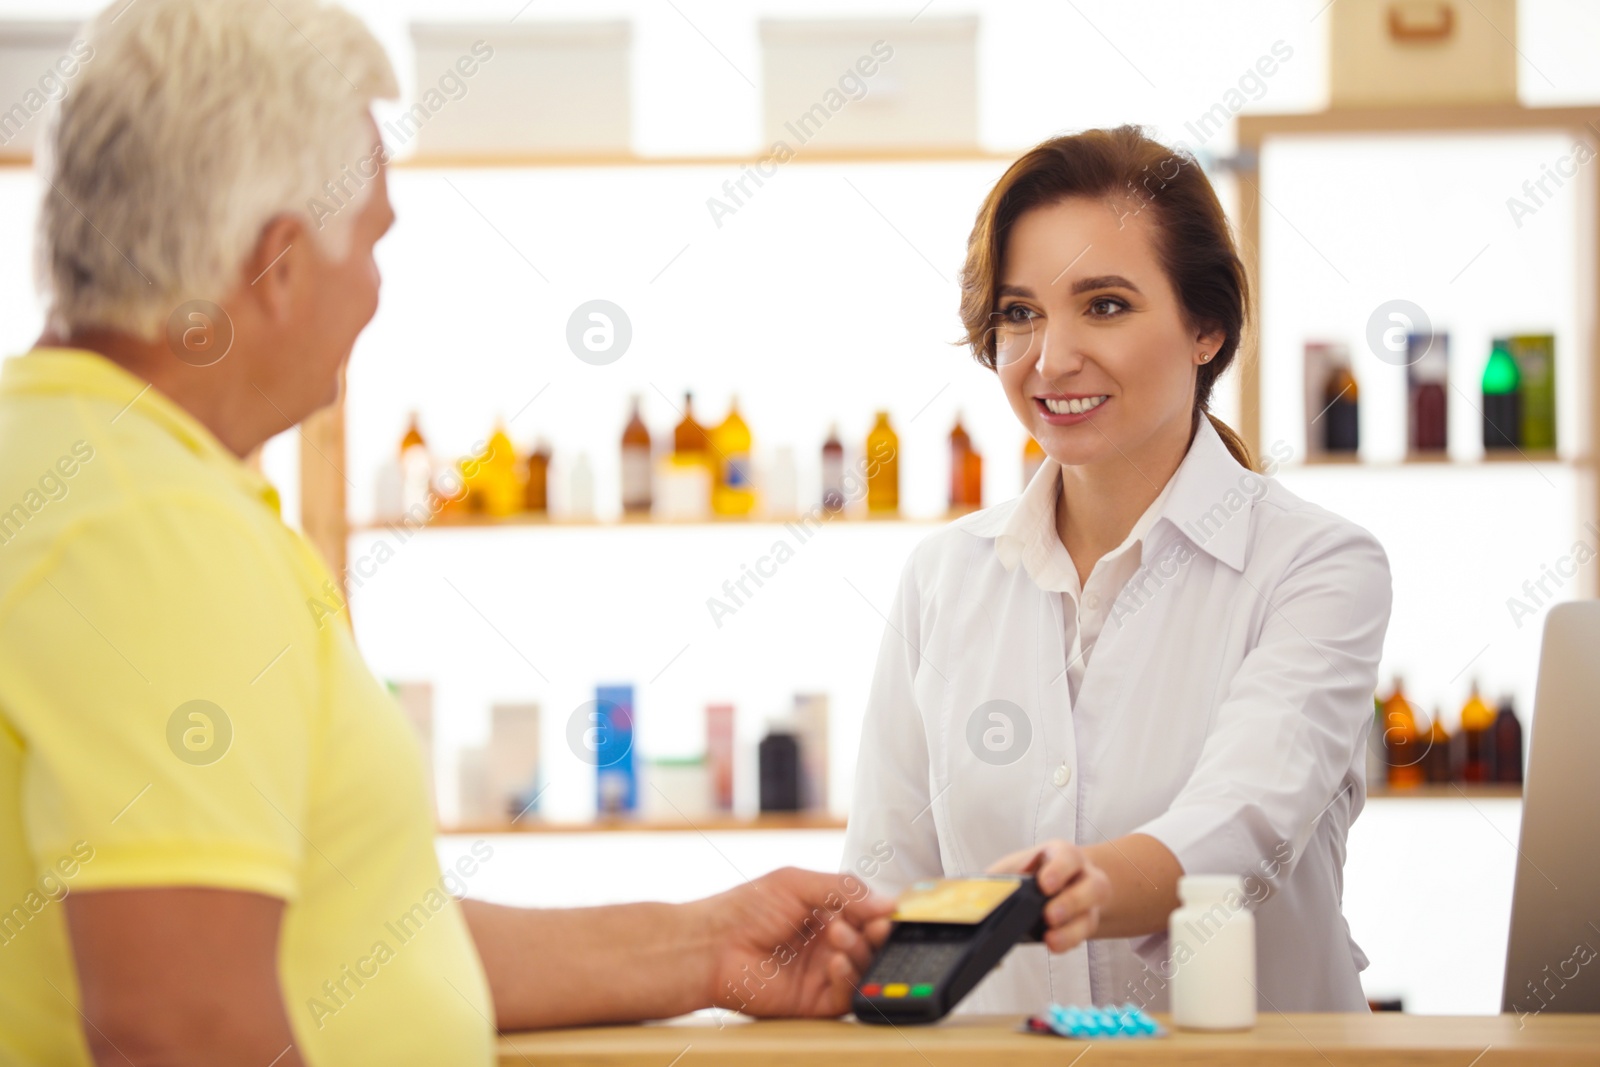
{"x":789,"y":943}
{"x":173,"y":977}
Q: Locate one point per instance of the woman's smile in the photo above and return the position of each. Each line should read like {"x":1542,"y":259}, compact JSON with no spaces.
{"x":1060,"y":409}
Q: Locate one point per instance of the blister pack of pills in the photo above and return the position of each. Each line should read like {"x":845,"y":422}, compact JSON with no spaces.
{"x":1069,"y":1020}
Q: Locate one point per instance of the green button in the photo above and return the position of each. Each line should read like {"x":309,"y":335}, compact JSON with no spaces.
{"x":922,"y":990}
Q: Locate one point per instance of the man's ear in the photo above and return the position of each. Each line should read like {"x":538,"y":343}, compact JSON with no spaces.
{"x":276,"y":264}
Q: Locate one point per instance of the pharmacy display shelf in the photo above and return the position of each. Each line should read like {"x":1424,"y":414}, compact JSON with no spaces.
{"x":815,"y":821}
{"x":535,"y":521}
{"x":709,"y":824}
{"x":1447,"y":791}
{"x":1255,"y":130}
{"x":440,"y":161}
{"x":1441,"y":460}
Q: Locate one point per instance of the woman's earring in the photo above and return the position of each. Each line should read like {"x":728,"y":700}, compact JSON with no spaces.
{"x":1206,"y":358}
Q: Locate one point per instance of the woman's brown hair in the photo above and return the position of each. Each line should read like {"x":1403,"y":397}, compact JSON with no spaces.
{"x":1192,"y":239}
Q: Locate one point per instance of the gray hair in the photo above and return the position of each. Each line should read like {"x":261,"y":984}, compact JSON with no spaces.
{"x":196,"y":123}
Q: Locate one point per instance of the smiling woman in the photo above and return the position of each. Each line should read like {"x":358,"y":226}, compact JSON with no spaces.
{"x":1234,"y":635}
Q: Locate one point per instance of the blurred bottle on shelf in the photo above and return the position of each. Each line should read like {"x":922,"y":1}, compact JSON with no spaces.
{"x":536,"y":489}
{"x":1331,"y":400}
{"x":513,"y":759}
{"x":1402,"y":744}
{"x":1536,"y":369}
{"x":684,"y":482}
{"x":1032,"y":459}
{"x":1436,"y":763}
{"x":778,"y":760}
{"x":502,"y":482}
{"x":782,"y":496}
{"x":719,"y":754}
{"x":416,"y":467}
{"x":1502,"y":401}
{"x":1427,"y":375}
{"x":637,"y":468}
{"x":966,"y":471}
{"x":1341,"y":412}
{"x":616,"y":779}
{"x":689,"y":437}
{"x":1474,"y":739}
{"x":883,"y":468}
{"x":811,"y":730}
{"x":833,"y":498}
{"x":1507,"y":744}
{"x":734,"y":492}
{"x":580,"y":492}
{"x":1377,"y":764}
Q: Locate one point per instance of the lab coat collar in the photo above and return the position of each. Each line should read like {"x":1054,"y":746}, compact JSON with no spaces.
{"x":1208,"y":501}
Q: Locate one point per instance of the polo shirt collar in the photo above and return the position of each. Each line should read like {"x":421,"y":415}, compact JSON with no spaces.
{"x":1208,"y":500}
{"x":81,"y":372}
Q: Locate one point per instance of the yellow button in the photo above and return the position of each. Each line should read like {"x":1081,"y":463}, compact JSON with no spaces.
{"x":898,"y":989}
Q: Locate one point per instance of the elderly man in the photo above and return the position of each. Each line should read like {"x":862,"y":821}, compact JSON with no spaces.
{"x":282,"y":904}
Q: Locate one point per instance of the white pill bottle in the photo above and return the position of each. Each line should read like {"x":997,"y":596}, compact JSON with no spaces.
{"x":1212,"y":938}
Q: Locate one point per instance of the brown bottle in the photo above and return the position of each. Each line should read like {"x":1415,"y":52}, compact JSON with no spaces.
{"x":1475,"y":739}
{"x":960,"y":456}
{"x":637,"y":496}
{"x":689,"y":437}
{"x":1402,"y":745}
{"x":1507,"y":744}
{"x":1436,"y":762}
{"x":833,"y":472}
{"x":536,"y":491}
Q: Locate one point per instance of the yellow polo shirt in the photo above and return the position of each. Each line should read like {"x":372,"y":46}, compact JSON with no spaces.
{"x":180,"y":707}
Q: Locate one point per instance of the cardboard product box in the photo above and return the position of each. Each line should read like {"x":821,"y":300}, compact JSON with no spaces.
{"x":869,"y":84}
{"x":1389,"y":53}
{"x":532,"y":88}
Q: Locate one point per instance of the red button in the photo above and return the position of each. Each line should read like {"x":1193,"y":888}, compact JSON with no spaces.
{"x":871,"y":990}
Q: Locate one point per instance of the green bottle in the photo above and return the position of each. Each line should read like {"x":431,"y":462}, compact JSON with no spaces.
{"x":1502,"y":401}
{"x":1536,"y":364}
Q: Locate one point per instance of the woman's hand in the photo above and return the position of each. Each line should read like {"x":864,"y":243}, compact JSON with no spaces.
{"x":1076,"y":889}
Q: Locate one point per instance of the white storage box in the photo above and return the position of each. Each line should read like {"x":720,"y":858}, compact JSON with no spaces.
{"x":870,"y":84}
{"x":38,"y":63}
{"x":544,"y":88}
{"x":1396,"y":52}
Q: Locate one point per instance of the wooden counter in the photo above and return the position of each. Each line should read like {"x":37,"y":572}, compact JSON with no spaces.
{"x":1380,"y":1040}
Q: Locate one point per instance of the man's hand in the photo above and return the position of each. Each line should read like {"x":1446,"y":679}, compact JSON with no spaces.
{"x":793,"y":942}
{"x":1075,"y":886}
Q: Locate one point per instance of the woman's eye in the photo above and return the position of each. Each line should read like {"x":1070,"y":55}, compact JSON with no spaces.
{"x":1016,"y":313}
{"x":1105,"y":306}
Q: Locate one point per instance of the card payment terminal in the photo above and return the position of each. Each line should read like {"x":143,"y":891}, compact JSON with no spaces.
{"x":947,"y":934}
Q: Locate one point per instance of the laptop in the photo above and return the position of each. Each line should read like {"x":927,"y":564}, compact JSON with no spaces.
{"x":1553,"y":957}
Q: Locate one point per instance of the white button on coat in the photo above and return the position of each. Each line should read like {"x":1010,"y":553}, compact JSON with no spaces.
{"x":1062,"y":776}
{"x":1223,"y":711}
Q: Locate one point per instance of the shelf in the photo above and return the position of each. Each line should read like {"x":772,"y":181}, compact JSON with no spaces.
{"x":709,"y":824}
{"x":1447,"y":791}
{"x":628,"y":159}
{"x":729,"y":522}
{"x":1435,"y":119}
{"x":1438,"y":459}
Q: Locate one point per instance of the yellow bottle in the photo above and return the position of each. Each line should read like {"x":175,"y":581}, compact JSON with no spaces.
{"x":493,"y":481}
{"x":734,"y":492}
{"x":883,"y":469}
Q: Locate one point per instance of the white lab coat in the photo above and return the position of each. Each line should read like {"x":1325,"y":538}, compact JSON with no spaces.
{"x":1224,"y":711}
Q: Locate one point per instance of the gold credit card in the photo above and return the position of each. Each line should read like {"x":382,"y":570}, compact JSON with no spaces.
{"x":954,"y":900}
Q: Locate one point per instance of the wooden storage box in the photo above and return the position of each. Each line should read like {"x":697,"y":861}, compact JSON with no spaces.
{"x":540,"y":89}
{"x":1396,"y":52}
{"x":867,"y":84}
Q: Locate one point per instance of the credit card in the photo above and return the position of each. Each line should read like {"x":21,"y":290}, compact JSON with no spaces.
{"x":954,"y":900}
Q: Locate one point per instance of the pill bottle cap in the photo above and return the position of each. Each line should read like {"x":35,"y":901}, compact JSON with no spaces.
{"x":1205,"y":888}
